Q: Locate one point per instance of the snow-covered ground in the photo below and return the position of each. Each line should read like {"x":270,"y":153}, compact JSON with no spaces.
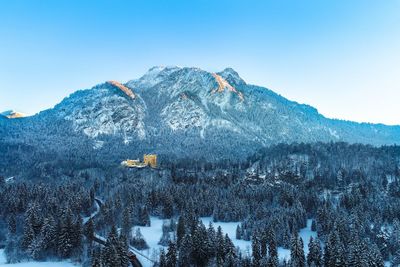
{"x":152,"y":235}
{"x":306,"y":233}
{"x":34,"y":263}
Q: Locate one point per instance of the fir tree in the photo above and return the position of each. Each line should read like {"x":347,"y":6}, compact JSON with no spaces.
{"x":12,"y":224}
{"x":88,"y":229}
{"x":256,"y":252}
{"x":297,"y":257}
{"x":163,"y":259}
{"x":126,"y":222}
{"x":180,"y":230}
{"x":314,"y":253}
{"x":171,"y":256}
{"x":238,"y":232}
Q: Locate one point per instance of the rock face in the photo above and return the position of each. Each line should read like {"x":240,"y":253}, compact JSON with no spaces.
{"x":191,"y":112}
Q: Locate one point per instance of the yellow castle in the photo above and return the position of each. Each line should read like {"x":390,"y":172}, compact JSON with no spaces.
{"x":148,"y":160}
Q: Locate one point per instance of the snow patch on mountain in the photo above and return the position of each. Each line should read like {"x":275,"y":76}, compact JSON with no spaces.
{"x":101,"y":111}
{"x":183,"y":114}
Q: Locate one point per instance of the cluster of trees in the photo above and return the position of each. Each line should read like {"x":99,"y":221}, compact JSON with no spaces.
{"x":44,"y":220}
{"x":198,"y":245}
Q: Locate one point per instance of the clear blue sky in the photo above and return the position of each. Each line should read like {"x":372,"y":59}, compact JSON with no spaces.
{"x":341,"y":56}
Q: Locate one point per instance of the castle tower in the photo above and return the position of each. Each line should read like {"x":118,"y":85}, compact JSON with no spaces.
{"x":150,"y":160}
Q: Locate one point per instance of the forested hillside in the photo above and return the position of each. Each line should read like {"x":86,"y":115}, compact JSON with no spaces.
{"x":350,"y":192}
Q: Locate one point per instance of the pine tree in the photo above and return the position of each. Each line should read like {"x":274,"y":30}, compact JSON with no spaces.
{"x":66,"y":238}
{"x":122,"y":250}
{"x":48,"y":234}
{"x":110,"y":253}
{"x":35,"y":249}
{"x":357,"y":257}
{"x":171,"y":256}
{"x":314,"y":253}
{"x":256,"y":252}
{"x":163,"y":259}
{"x":238,"y":232}
{"x":12,"y":224}
{"x":180,"y":230}
{"x":334,"y":252}
{"x":28,"y":235}
{"x":297,"y":257}
{"x":77,"y":238}
{"x":263,"y":244}
{"x":126,"y":222}
{"x":272,"y":247}
{"x":185,"y":251}
{"x":96,"y":258}
{"x":220,"y":246}
{"x":212,"y":240}
{"x":88,"y":229}
{"x":374,"y":257}
{"x":200,"y":246}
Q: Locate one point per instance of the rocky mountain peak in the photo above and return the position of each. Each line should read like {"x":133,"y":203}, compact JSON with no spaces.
{"x":232,"y":77}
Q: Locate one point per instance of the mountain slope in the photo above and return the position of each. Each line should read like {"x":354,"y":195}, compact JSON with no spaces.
{"x":188,"y":112}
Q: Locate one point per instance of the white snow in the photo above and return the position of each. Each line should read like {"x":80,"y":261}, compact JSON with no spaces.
{"x":152,"y":234}
{"x":306,"y":233}
{"x":34,"y":263}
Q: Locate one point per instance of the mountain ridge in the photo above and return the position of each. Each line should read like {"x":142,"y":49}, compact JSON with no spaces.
{"x":188,"y":111}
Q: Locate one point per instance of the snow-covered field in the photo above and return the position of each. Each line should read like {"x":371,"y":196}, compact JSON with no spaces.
{"x":153,"y":234}
{"x":33,"y":263}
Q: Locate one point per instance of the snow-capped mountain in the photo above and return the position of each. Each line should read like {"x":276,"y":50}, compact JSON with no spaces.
{"x":189,"y":111}
{"x":12,"y":114}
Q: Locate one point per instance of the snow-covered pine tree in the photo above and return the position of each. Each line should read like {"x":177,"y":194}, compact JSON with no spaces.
{"x":49,"y":234}
{"x":66,"y":236}
{"x":200,"y":246}
{"x":28,"y":235}
{"x":110,"y":255}
{"x":238,"y":232}
{"x":220,"y":246}
{"x":126,"y":222}
{"x":162,"y":262}
{"x":297,"y":258}
{"x":180,"y":230}
{"x":171,"y":256}
{"x":314,"y":253}
{"x":88,"y":229}
{"x":256,"y":252}
{"x":212,"y":240}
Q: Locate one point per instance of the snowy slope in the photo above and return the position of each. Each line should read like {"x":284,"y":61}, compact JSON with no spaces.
{"x":189,"y":111}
